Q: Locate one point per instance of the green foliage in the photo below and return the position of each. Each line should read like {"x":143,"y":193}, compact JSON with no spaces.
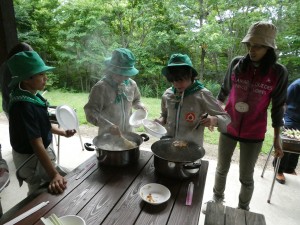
{"x":212,"y":86}
{"x":76,"y":36}
{"x":152,"y":86}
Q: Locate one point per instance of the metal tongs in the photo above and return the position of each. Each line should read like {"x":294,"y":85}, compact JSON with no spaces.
{"x":198,"y":124}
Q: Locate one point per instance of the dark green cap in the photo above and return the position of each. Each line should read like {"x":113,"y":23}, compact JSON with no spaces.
{"x":24,"y":65}
{"x":122,"y":63}
{"x":179,"y":60}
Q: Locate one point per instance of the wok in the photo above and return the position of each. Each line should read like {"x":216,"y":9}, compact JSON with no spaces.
{"x":177,"y":161}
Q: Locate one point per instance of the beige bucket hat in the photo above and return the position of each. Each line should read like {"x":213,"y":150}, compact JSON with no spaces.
{"x":262,"y":33}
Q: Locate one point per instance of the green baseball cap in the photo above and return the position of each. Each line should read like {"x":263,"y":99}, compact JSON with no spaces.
{"x":121,"y":62}
{"x":179,"y":60}
{"x":24,"y":65}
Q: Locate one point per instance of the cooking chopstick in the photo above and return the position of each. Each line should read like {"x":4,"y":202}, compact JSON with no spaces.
{"x":27,"y":213}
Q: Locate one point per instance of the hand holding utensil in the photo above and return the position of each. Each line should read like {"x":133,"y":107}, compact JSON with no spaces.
{"x":199,"y":123}
{"x":126,"y":143}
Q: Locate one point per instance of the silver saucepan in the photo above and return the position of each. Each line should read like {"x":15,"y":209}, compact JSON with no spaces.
{"x":116,"y":157}
{"x":177,"y":158}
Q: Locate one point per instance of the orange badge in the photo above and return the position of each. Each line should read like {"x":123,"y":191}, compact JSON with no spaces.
{"x":190,"y":117}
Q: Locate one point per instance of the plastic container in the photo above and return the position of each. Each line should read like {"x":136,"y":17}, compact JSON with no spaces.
{"x":153,"y":128}
{"x":136,"y":119}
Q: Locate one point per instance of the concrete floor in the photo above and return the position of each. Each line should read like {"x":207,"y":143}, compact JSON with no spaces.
{"x":283,"y":210}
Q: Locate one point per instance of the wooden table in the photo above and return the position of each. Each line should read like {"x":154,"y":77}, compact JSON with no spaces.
{"x":218,"y":214}
{"x":110,"y":195}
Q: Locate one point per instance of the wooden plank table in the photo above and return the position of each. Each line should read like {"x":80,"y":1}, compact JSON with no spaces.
{"x":110,"y":195}
{"x":218,"y":214}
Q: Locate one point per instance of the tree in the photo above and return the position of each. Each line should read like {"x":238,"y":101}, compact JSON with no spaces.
{"x":77,"y":36}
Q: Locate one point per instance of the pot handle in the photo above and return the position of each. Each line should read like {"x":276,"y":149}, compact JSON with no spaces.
{"x":88,"y":147}
{"x":191,"y":166}
{"x":145,"y":137}
{"x":166,"y":137}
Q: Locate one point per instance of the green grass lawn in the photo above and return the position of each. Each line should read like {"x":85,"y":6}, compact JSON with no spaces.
{"x":78,"y":100}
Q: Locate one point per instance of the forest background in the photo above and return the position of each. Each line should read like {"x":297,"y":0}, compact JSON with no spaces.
{"x":76,"y":36}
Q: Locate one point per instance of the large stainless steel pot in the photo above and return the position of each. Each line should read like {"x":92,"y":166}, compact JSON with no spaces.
{"x":177,"y":162}
{"x":114,"y":157}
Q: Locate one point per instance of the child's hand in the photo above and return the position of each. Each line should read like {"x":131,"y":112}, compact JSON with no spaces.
{"x":69,"y":133}
{"x":114,"y":130}
{"x":210,"y":122}
{"x":57,"y":184}
{"x":160,"y":121}
{"x":142,"y":107}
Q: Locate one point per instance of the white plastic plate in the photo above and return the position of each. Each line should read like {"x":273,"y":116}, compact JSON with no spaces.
{"x":154,"y":193}
{"x":66,"y":117}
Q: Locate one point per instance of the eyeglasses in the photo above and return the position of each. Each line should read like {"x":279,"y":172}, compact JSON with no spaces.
{"x":255,"y":47}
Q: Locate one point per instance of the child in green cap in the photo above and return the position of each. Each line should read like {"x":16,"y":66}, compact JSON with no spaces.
{"x":187,"y":107}
{"x":29,"y":125}
{"x":112,"y":98}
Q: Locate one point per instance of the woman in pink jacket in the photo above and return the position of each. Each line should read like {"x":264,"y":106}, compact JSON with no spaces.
{"x":250,"y":84}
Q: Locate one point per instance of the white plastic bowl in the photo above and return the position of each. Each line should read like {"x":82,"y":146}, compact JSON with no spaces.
{"x":136,"y":119}
{"x":72,"y":220}
{"x":154,"y":193}
{"x":154,"y":128}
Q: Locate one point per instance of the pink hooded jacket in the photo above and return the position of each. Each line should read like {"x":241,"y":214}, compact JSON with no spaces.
{"x":250,"y":94}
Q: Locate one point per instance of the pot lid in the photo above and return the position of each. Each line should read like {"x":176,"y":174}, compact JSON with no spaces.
{"x":176,"y":150}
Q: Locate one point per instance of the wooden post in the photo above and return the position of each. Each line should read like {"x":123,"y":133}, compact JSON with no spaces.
{"x":8,"y":30}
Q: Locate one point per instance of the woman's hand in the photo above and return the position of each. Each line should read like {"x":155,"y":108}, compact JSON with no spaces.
{"x":277,"y":143}
{"x":57,"y":184}
{"x":278,"y":148}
